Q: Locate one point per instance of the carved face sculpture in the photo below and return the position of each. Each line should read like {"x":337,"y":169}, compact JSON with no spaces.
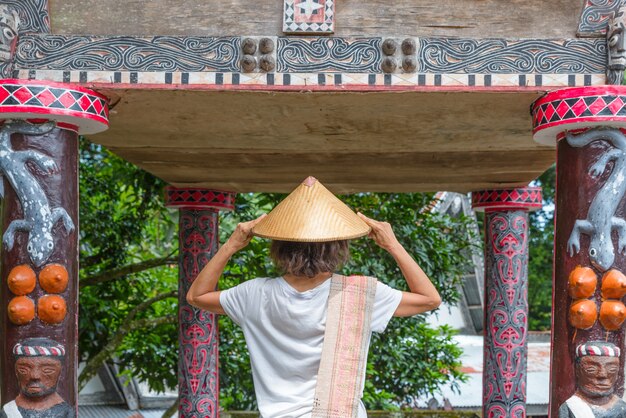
{"x":596,"y":375}
{"x":38,"y":377}
{"x":9,"y":23}
{"x":616,"y":40}
{"x":38,"y":366}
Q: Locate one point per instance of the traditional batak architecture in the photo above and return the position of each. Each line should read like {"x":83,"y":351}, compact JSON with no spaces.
{"x":219,"y":98}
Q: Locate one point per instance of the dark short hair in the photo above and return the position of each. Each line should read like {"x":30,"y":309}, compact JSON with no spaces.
{"x":309,"y":258}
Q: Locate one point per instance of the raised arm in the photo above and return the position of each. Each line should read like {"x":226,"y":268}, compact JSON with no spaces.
{"x":423,"y":296}
{"x":203,"y":292}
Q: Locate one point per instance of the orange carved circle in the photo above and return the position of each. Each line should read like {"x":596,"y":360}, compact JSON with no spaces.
{"x":21,"y":310}
{"x":53,"y":278}
{"x":21,"y":280}
{"x":612,"y":314}
{"x":582,"y":282}
{"x":613,"y":285}
{"x":583,"y":314}
{"x":52,"y":309}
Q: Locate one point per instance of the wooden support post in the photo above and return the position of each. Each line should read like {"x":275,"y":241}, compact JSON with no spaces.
{"x":506,"y":298}
{"x":39,"y":262}
{"x":588,"y":126}
{"x":198,"y":372}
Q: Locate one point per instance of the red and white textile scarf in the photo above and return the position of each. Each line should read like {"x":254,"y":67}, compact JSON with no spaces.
{"x":344,"y":353}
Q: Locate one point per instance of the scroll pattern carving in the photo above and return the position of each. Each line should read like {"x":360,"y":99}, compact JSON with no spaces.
{"x":127,"y":53}
{"x":506,"y":56}
{"x":595,"y":16}
{"x":329,"y":54}
{"x":507,"y":313}
{"x":198,"y":371}
{"x":34,"y":17}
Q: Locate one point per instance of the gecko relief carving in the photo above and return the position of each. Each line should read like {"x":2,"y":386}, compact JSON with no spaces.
{"x":601,"y":219}
{"x":39,"y":217}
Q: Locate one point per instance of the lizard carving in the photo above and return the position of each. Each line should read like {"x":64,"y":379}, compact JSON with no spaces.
{"x":601,"y":219}
{"x":39,"y":218}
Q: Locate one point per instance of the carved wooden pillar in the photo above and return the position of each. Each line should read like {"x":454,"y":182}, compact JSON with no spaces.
{"x":590,"y":235}
{"x":39,"y":262}
{"x":198,"y":373}
{"x":506,"y":297}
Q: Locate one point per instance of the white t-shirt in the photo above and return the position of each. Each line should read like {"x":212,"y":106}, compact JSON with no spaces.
{"x":284,"y":331}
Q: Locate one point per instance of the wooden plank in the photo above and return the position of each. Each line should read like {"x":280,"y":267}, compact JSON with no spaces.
{"x":335,"y":122}
{"x":342,"y":172}
{"x":463,"y":18}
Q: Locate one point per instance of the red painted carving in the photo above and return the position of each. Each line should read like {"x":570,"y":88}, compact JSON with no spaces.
{"x":198,"y":339}
{"x":504,"y":373}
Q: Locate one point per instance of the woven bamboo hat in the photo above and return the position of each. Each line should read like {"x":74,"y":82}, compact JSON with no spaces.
{"x":311,"y":213}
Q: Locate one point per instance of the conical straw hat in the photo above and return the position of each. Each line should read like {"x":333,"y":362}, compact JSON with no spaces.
{"x":311,"y":213}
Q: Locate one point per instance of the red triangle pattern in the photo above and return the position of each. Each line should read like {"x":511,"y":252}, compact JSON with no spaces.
{"x":200,"y":198}
{"x":53,"y":98}
{"x":571,"y":109}
{"x":520,"y":197}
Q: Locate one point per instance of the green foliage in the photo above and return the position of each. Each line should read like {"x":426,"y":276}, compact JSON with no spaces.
{"x":541,"y":247}
{"x":123,"y":221}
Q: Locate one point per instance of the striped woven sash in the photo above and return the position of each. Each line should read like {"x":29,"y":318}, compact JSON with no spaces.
{"x":344,"y":353}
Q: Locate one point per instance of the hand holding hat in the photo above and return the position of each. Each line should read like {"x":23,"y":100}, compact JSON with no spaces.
{"x":381,"y":233}
{"x":242,"y":235}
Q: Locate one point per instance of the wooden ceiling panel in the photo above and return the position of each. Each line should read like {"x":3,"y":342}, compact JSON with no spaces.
{"x":254,"y":141}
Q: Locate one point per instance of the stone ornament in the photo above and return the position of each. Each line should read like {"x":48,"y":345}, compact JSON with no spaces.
{"x":583,"y":313}
{"x":597,"y":371}
{"x":39,"y":364}
{"x":257,"y":54}
{"x":21,"y":280}
{"x":582,"y":283}
{"x":39,"y":217}
{"x":52,"y":309}
{"x":613,"y":285}
{"x":612,"y":314}
{"x":399,"y":56}
{"x":21,"y":310}
{"x":601,"y":219}
{"x":54,"y":278}
{"x":616,"y":47}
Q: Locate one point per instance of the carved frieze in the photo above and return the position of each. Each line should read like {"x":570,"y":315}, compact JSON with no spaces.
{"x":34,"y":17}
{"x":446,"y":55}
{"x":311,"y":55}
{"x":329,"y":54}
{"x":595,"y":16}
{"x":127,"y":53}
